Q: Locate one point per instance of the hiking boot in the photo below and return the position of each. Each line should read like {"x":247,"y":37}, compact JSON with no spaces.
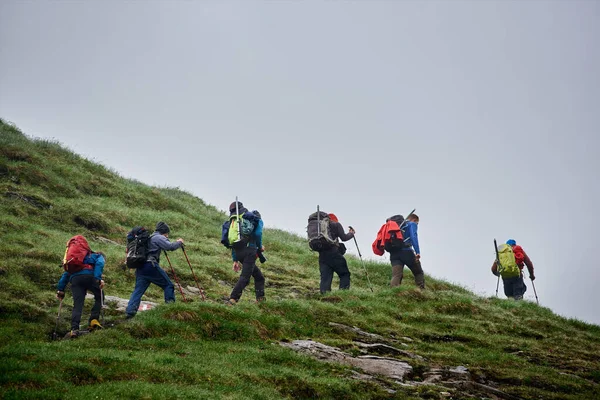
{"x":231,"y":302}
{"x":261,"y":299}
{"x":72,"y":334}
{"x":94,"y":324}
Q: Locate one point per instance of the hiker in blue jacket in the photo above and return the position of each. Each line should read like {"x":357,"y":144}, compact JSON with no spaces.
{"x":407,"y":253}
{"x":244,"y":257}
{"x":151,"y":271}
{"x":89,"y":278}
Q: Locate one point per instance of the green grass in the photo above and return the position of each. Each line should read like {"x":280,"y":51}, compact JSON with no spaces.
{"x":208,"y":350}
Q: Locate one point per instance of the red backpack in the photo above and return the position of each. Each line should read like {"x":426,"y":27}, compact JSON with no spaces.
{"x":77,"y":250}
{"x":519,"y":255}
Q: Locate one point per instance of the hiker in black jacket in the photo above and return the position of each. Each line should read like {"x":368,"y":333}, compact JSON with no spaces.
{"x":332,"y":260}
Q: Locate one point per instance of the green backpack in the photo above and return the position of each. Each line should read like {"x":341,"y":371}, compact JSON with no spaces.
{"x":508,"y":267}
{"x":247,"y":228}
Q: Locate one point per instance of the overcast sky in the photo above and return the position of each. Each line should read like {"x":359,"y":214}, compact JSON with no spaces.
{"x":484,"y":116}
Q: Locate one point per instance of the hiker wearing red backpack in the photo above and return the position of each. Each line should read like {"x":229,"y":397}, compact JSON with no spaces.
{"x":151,"y":271}
{"x":513,"y":260}
{"x":399,"y":238}
{"x":83,"y":269}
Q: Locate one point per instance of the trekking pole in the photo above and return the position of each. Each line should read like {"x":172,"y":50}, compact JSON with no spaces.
{"x":57,"y":318}
{"x":175,"y":276}
{"x":102,"y":305}
{"x":534,"y":292}
{"x":362,"y":261}
{"x":190,"y":264}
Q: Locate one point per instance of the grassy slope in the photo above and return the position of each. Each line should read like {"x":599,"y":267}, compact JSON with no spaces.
{"x":207,"y":350}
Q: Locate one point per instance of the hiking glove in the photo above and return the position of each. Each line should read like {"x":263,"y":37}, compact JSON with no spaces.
{"x":60,"y":294}
{"x":532,"y":277}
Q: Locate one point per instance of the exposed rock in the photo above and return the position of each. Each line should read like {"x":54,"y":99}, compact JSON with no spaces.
{"x":121,"y":304}
{"x":460,"y":373}
{"x":432,"y":378}
{"x":369,"y":364}
{"x":192,"y":289}
{"x":102,"y":239}
{"x":381,"y":348}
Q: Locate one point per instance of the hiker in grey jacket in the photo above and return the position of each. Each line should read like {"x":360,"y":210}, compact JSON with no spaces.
{"x":151,"y":272}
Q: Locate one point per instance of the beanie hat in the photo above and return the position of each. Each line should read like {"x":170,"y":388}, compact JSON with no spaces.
{"x":333,"y":217}
{"x":162,"y":228}
{"x":511,"y":242}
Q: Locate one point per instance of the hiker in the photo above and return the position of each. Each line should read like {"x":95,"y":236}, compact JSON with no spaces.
{"x":151,"y":271}
{"x":242,"y":233}
{"x":83,"y":274}
{"x":399,"y":238}
{"x":512,"y":260}
{"x":331,"y":251}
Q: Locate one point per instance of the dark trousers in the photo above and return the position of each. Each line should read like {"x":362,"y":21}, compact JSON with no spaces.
{"x":144,"y":276}
{"x":247,"y":256}
{"x":331,"y":261}
{"x":80,"y":284}
{"x":514,"y":287}
{"x":402,"y":258}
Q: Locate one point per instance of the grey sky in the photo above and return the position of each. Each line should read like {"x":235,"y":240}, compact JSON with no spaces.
{"x":482,"y":115}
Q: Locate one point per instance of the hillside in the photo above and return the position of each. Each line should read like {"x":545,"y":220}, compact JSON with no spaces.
{"x":452,"y":343}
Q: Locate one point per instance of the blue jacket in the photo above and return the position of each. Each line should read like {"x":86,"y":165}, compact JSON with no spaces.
{"x":255,"y":239}
{"x":158,"y":243}
{"x":411,"y":237}
{"x":95,"y":260}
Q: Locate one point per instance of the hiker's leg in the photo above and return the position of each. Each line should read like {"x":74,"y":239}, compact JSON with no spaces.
{"x":259,"y":282}
{"x":340,"y":266}
{"x":519,"y":288}
{"x":326,"y":273}
{"x":397,"y":272}
{"x":78,"y":289}
{"x":94,"y":287}
{"x":162,"y":280}
{"x":417,"y":270}
{"x":248,"y":265}
{"x":508,"y":287}
{"x":141,"y":285}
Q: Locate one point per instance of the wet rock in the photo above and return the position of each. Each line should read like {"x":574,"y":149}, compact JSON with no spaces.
{"x":371,"y":365}
{"x":381,"y":348}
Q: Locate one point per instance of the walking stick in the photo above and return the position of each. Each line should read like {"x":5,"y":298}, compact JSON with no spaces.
{"x":361,"y":260}
{"x":175,"y":276}
{"x":534,"y":292}
{"x":190,"y":264}
{"x":57,"y":318}
{"x":102,"y":304}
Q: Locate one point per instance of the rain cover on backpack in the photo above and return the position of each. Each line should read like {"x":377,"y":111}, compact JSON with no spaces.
{"x":508,"y":267}
{"x":319,"y":233}
{"x":77,"y":250}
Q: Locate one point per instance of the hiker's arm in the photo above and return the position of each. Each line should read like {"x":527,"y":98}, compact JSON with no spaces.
{"x":233,"y":255}
{"x":63,"y":281}
{"x":164,"y":244}
{"x":340,"y":232}
{"x":99,"y":262}
{"x":529,"y":265}
{"x":495,"y":268}
{"x":414,"y":237}
{"x":258,"y":233}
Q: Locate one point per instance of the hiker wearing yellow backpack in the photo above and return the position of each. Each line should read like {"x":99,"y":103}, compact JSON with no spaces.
{"x":83,"y":269}
{"x":509,"y":263}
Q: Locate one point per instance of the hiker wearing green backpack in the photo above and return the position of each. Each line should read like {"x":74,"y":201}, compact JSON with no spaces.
{"x":509,"y":263}
{"x":242,"y":233}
